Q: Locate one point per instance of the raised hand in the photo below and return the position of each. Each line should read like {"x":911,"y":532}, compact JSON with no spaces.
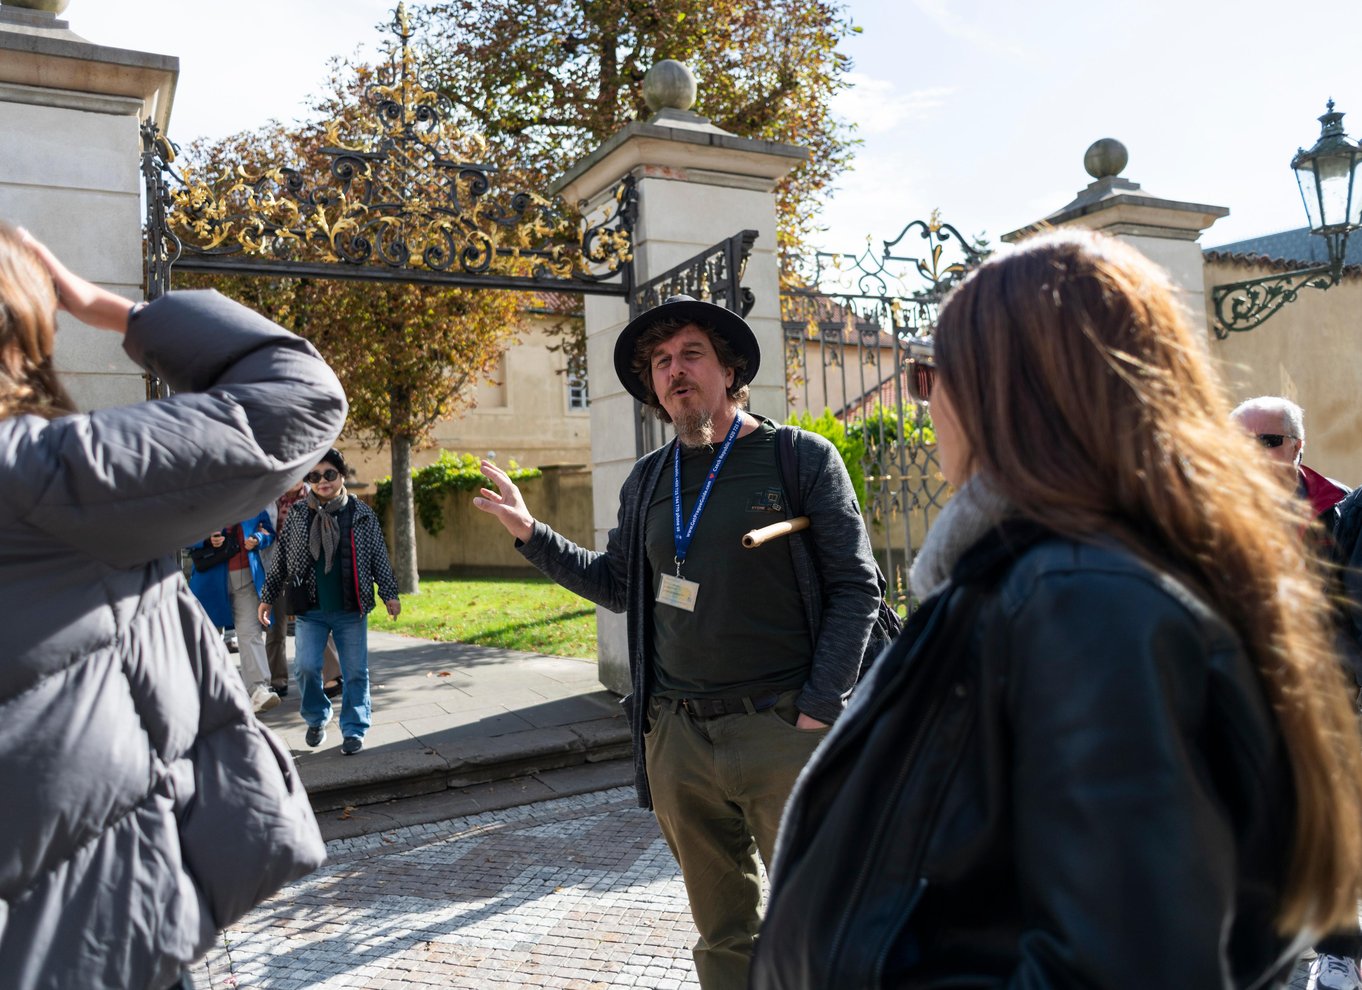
{"x":87,"y":302}
{"x":505,"y":503}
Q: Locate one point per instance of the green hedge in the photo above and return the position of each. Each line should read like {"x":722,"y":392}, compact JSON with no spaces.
{"x":851,"y":447}
{"x":450,"y":473}
{"x":869,"y":444}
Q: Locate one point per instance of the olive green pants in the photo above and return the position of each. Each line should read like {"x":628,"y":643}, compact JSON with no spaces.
{"x":719,"y":786}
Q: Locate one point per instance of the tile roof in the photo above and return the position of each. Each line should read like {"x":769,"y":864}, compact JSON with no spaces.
{"x":1285,"y":250}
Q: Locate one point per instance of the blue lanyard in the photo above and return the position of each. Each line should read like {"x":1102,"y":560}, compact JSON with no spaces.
{"x":683,"y":539}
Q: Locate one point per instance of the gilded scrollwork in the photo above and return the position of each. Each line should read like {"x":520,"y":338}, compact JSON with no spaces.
{"x":402,"y":188}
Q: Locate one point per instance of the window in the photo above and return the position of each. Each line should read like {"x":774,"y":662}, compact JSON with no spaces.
{"x":577,"y":397}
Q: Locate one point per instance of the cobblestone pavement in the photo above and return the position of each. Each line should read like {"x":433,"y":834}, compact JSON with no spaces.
{"x":574,"y":893}
{"x":577,"y":893}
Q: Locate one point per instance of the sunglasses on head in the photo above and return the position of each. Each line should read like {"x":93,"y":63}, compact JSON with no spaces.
{"x":312,"y":477}
{"x":921,"y":377}
{"x":1274,"y":439}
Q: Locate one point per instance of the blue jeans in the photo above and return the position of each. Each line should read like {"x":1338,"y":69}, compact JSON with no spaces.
{"x":351,"y":632}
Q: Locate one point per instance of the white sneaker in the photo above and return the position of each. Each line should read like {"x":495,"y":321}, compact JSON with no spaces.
{"x":1334,"y":973}
{"x":263,"y":699}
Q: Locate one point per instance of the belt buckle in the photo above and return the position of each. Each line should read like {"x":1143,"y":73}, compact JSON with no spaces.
{"x":697,"y":709}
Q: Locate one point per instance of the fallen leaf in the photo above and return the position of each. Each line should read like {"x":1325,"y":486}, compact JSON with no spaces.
{"x":444,"y":673}
{"x":346,"y":813}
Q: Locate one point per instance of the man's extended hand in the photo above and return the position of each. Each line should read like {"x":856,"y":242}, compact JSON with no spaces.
{"x":506,"y":504}
{"x":263,"y":613}
{"x":809,"y":722}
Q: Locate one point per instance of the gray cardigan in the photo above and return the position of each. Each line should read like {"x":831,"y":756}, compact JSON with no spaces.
{"x":146,"y":808}
{"x":841,"y":606}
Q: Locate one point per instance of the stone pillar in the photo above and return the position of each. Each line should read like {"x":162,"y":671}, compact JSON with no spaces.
{"x":70,"y":172}
{"x":697,"y":185}
{"x":1165,"y":230}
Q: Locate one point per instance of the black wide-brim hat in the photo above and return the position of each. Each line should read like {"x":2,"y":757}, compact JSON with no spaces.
{"x":726,"y":323}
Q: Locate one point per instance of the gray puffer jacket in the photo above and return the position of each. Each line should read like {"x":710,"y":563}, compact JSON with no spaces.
{"x":145,"y":807}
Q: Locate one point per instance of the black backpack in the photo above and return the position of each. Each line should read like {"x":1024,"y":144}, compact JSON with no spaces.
{"x":888,"y":625}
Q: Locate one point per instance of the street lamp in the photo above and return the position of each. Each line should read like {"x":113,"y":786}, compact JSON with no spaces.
{"x":1327,"y":175}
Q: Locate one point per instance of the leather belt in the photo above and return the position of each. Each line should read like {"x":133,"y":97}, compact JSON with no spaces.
{"x":715,"y":707}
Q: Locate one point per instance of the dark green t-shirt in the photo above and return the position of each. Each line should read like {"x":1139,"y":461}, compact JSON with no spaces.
{"x":748,"y":632}
{"x":329,"y":585}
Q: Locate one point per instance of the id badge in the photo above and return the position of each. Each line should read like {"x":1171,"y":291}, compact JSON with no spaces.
{"x":678,"y":592}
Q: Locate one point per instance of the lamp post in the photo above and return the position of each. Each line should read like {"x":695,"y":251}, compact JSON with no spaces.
{"x":1327,"y":175}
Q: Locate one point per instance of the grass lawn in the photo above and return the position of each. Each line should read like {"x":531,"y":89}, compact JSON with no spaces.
{"x":529,"y":613}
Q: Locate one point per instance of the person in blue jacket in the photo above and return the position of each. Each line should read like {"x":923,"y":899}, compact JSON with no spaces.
{"x":229,"y":591}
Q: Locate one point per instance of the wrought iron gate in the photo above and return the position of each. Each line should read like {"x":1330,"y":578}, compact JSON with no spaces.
{"x":851,"y":322}
{"x":392,"y":192}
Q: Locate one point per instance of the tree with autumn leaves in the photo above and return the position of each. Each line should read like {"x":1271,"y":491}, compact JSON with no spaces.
{"x":409,"y":355}
{"x":545,"y":84}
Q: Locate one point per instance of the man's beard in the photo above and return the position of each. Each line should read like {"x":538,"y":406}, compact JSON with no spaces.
{"x":695,"y":428}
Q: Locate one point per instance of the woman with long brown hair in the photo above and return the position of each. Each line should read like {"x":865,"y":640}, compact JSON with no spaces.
{"x":145,"y":807}
{"x":1111,"y":748}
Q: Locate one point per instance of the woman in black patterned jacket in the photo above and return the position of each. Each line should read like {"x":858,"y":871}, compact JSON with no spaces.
{"x":328,"y":559}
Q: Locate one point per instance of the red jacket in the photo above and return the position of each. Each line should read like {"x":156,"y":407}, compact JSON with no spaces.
{"x":1323,"y":493}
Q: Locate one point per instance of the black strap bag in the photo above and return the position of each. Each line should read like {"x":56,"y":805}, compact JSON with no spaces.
{"x":888,"y":625}
{"x":206,"y":556}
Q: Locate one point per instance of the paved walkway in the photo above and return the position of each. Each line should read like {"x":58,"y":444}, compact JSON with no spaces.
{"x":453,"y":716}
{"x":577,"y":893}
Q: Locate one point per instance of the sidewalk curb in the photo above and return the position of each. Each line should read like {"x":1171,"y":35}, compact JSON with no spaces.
{"x":465,"y":763}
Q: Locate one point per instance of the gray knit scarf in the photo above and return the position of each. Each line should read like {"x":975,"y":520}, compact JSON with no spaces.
{"x":972,"y":511}
{"x":323,"y":534}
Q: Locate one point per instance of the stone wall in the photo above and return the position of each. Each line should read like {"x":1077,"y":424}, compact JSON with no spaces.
{"x":474,"y":541}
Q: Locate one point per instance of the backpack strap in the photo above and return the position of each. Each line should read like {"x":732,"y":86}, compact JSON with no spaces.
{"x":787,"y":461}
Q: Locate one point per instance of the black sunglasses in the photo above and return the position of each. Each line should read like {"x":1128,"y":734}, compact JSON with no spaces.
{"x":921,"y":377}
{"x":1274,"y":439}
{"x":312,"y":477}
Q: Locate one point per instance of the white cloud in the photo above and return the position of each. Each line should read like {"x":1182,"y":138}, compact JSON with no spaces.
{"x":941,"y":13}
{"x":876,"y":107}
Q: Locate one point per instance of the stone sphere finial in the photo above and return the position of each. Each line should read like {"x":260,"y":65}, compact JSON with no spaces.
{"x":1105,"y":157}
{"x":669,"y":85}
{"x":49,"y":6}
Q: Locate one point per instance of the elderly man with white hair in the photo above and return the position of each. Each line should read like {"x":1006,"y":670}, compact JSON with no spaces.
{"x":1279,"y":425}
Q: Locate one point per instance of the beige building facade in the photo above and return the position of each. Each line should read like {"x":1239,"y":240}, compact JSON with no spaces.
{"x":533,"y":410}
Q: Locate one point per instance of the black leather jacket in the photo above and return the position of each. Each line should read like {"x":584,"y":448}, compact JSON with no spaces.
{"x":1063,"y":774}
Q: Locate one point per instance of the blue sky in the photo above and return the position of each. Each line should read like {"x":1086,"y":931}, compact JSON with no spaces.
{"x":981,"y":108}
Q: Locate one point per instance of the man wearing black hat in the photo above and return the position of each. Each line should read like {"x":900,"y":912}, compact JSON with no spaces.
{"x":739,"y":658}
